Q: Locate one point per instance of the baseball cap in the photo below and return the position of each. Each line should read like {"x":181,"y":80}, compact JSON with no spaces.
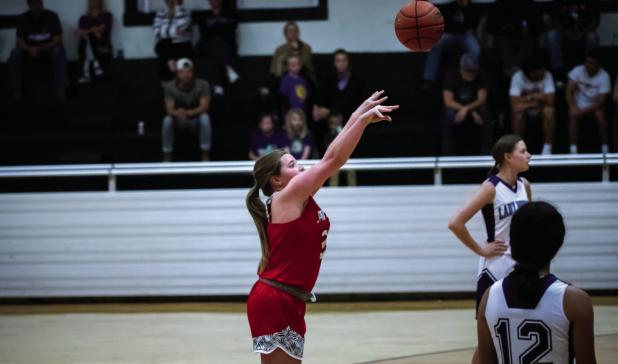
{"x":184,"y":63}
{"x":469,"y":62}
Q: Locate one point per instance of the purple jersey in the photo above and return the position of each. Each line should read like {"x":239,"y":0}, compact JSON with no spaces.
{"x":295,"y":90}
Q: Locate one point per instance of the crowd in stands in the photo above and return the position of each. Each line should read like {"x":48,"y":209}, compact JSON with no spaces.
{"x":312,"y":106}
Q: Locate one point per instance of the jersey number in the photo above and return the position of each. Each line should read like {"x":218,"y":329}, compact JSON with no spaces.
{"x":529,"y":330}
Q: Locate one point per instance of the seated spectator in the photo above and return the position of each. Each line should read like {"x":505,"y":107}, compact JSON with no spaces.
{"x":293,"y":87}
{"x":465,"y":101}
{"x":299,"y":137}
{"x":587,"y":90}
{"x":573,"y":21}
{"x":516,"y":26}
{"x":335,"y":125}
{"x":187,"y":102}
{"x":532,"y":94}
{"x":172,"y":28}
{"x":266,"y":138}
{"x":218,"y":36}
{"x":460,"y":22}
{"x":343,"y":90}
{"x":292,"y":47}
{"x":39,"y":36}
{"x":95,"y":43}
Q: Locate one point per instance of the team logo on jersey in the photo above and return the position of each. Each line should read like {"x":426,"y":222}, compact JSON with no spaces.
{"x":321,"y":216}
{"x":509,"y":209}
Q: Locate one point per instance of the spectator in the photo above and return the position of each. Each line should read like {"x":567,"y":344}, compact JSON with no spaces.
{"x":172,"y":28}
{"x":300,"y":138}
{"x":587,"y":90}
{"x":292,"y":47}
{"x":460,"y":22}
{"x":573,"y":21}
{"x":218,"y":36}
{"x":342,"y":91}
{"x":294,"y":88}
{"x":532,"y":95}
{"x":516,"y":26}
{"x":187,"y":102}
{"x":335,"y":125}
{"x":266,"y":138}
{"x":95,"y":43}
{"x":465,"y":101}
{"x":39,"y":36}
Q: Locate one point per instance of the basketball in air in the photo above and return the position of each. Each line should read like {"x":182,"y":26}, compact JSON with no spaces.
{"x":419,"y":25}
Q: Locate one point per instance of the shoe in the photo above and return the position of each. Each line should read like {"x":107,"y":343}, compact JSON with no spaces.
{"x":232,"y":76}
{"x":218,"y":90}
{"x":84,"y":79}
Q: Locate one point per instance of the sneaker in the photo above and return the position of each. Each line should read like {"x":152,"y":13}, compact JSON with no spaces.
{"x":218,"y":90}
{"x":232,"y":76}
{"x":84,"y":79}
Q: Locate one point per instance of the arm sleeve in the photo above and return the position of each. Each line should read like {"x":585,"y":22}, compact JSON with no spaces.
{"x":605,"y":84}
{"x":181,"y":22}
{"x":548,"y":84}
{"x":515,"y":88}
{"x":56,"y":27}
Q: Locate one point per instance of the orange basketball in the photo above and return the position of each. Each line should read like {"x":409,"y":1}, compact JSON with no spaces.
{"x":419,"y":25}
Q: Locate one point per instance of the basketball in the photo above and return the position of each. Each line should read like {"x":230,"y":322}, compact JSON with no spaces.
{"x":419,"y":25}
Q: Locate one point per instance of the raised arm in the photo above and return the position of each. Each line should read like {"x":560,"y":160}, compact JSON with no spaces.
{"x":339,"y":151}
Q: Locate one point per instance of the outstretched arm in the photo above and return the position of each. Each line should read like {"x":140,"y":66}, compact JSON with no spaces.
{"x":339,"y":151}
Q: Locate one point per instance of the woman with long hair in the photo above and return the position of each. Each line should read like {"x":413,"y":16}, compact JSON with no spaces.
{"x":502,"y":193}
{"x":531,"y":315}
{"x":293,"y":231}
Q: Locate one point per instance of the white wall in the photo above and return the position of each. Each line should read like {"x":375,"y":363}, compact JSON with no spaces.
{"x":357,"y":25}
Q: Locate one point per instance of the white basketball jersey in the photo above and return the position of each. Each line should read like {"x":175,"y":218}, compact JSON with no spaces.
{"x":522,"y":336}
{"x":497,"y":218}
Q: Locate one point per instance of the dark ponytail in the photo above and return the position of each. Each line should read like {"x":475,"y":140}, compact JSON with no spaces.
{"x":506,"y":144}
{"x":536,"y":233}
{"x":265,"y":167}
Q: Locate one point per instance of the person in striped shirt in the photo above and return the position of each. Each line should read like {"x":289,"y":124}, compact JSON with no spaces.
{"x":172,"y":28}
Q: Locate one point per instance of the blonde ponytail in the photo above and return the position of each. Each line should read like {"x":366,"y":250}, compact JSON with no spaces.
{"x":257,"y":209}
{"x":265,"y":167}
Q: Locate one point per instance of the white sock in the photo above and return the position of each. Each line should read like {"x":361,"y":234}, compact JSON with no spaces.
{"x":604,"y":148}
{"x":573,"y":149}
{"x":231,"y":74}
{"x":546,"y":149}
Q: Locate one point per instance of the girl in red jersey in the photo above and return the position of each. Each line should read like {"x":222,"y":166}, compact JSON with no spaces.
{"x":293,"y":232}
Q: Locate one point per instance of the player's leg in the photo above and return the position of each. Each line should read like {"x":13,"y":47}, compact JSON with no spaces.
{"x":278,"y":357}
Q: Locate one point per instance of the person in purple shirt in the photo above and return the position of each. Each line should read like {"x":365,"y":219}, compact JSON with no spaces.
{"x":300,"y":138}
{"x":293,"y":87}
{"x":95,"y":45}
{"x":266,"y":139}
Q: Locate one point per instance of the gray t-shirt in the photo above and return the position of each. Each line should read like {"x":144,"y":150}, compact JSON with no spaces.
{"x":187,"y":99}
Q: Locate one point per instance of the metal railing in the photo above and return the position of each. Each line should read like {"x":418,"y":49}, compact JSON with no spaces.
{"x":437,"y":164}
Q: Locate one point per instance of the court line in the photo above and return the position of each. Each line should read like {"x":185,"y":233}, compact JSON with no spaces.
{"x":444,"y":352}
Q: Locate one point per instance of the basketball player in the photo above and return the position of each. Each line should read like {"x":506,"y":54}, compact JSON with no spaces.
{"x":293,"y":232}
{"x":531,"y":316}
{"x":498,"y":199}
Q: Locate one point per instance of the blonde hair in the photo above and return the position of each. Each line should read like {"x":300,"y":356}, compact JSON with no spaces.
{"x":267,"y":166}
{"x":288,"y":124}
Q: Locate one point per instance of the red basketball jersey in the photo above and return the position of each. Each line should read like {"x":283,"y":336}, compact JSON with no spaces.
{"x":296,"y":248}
